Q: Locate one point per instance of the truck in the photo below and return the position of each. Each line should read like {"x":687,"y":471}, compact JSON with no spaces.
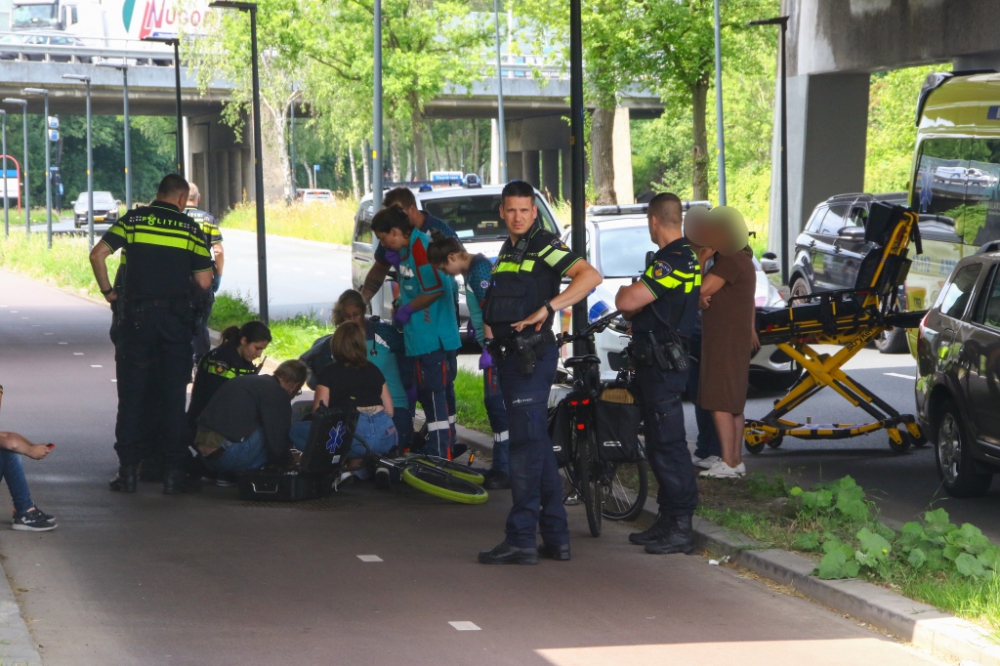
{"x":114,"y":22}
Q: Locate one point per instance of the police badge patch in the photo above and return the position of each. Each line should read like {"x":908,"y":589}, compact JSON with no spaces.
{"x":559,"y":245}
{"x":661,"y":269}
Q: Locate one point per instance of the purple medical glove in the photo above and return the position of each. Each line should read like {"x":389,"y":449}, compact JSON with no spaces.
{"x":392,"y":256}
{"x":485,"y":360}
{"x":470,"y":330}
{"x":402,"y":316}
{"x":411,"y":396}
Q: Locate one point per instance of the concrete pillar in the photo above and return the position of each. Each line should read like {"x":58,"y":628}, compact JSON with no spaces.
{"x":235,"y":176}
{"x":621,"y":147}
{"x":550,"y":173}
{"x":223,"y":199}
{"x":567,"y":172}
{"x":515,"y":166}
{"x":249,"y":191}
{"x":188,"y":153}
{"x":827,"y":132}
{"x":494,"y":153}
{"x":529,"y":167}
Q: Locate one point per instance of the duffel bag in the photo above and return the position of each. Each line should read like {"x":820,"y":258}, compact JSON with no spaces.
{"x":272,"y":485}
{"x":618,"y":420}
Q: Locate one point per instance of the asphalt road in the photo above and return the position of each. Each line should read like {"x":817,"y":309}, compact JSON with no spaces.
{"x":204,"y":579}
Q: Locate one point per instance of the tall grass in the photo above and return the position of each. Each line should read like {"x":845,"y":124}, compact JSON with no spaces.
{"x":66,"y":265}
{"x":291,"y":336}
{"x":319,"y":221}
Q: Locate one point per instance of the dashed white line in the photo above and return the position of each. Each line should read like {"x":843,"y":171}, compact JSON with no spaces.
{"x":48,"y":333}
{"x":464,"y":625}
{"x":97,"y":366}
{"x":64,"y":343}
{"x":369,"y":558}
{"x":896,"y":374}
{"x":77,"y":353}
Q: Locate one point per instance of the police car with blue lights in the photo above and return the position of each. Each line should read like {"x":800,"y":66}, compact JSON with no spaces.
{"x":470,"y":208}
{"x":617,"y":243}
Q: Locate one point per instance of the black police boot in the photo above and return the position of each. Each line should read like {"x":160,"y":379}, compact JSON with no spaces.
{"x":497,"y":481}
{"x":508,"y":554}
{"x":126,"y":479}
{"x":658,"y":530}
{"x":558,"y":553}
{"x":178,"y":481}
{"x":680,"y":539}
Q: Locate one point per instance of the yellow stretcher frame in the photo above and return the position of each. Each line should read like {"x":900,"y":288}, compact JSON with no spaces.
{"x":853,"y":330}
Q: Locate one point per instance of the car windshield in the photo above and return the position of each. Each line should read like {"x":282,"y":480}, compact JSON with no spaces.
{"x":33,"y":16}
{"x":476,"y":217}
{"x":623,"y":251}
{"x":99,"y":198}
{"x":317,"y":196}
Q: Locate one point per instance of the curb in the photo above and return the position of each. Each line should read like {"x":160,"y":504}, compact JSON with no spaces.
{"x":17,"y":647}
{"x":922,"y":625}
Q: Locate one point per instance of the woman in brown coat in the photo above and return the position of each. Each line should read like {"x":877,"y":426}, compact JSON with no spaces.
{"x":729,"y":336}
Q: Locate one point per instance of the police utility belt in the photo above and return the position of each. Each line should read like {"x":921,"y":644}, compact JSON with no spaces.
{"x":524,"y":346}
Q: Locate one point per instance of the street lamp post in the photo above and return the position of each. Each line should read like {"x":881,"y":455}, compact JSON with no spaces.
{"x":377,"y":112}
{"x":783,"y":22}
{"x":295,"y":185}
{"x":6,"y":210}
{"x":128,"y":152}
{"x":501,"y":134}
{"x":257,"y":151}
{"x":27,"y":181}
{"x":48,"y":169}
{"x":176,"y":43}
{"x":720,"y":141}
{"x":90,"y":161}
{"x":577,"y":195}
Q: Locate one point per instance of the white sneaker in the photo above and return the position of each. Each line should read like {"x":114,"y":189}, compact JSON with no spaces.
{"x":721,"y":470}
{"x":705,"y":463}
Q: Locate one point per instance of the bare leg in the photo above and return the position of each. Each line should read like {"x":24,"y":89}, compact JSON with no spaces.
{"x":725,"y":425}
{"x":738,"y":423}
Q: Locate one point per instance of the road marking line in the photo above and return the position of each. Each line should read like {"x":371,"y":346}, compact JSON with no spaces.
{"x":896,"y":374}
{"x":48,"y":333}
{"x":465,"y":625}
{"x":97,"y":366}
{"x":115,"y":381}
{"x":77,"y":353}
{"x":64,"y":343}
{"x":369,"y":558}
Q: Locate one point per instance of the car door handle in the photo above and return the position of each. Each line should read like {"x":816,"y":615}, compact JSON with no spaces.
{"x":812,"y":243}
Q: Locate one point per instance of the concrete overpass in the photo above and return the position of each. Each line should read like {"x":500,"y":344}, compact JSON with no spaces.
{"x":833,"y":47}
{"x":538,"y":138}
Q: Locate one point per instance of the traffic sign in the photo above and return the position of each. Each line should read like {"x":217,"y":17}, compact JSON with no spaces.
{"x":53,"y":122}
{"x":53,"y":135}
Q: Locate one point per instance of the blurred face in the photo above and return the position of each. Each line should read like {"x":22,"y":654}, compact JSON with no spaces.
{"x":353,"y":313}
{"x":452,"y":267}
{"x":394,"y":240}
{"x":251,"y":351}
{"x":519,"y":213}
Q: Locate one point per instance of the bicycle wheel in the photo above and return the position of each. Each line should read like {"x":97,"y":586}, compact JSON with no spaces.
{"x":441,"y":484}
{"x":589,"y":481}
{"x":455,"y":469}
{"x":624,"y":486}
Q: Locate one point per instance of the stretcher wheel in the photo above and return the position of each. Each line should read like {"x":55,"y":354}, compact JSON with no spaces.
{"x":776,"y":442}
{"x":753,"y":448}
{"x":904,"y":445}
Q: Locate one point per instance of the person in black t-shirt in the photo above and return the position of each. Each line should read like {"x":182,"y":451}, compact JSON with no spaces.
{"x":354,"y":381}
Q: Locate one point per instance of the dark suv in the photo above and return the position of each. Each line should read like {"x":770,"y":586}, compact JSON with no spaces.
{"x":828,"y":252}
{"x":958,"y":367}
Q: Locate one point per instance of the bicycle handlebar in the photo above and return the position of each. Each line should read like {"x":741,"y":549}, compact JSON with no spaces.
{"x":599,"y":325}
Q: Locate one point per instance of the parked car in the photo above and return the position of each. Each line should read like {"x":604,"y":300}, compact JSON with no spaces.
{"x":472,"y":210}
{"x":617,"y":243}
{"x":105,"y":208}
{"x":10,"y":42}
{"x":308,"y":196}
{"x":830,"y":248}
{"x":958,"y":374}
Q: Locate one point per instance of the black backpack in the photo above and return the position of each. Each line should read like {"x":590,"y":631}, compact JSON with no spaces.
{"x":329,"y":440}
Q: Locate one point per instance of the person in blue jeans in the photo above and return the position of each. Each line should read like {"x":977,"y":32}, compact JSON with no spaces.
{"x":449,"y":256}
{"x":27,"y":516}
{"x":429,"y":322}
{"x":354,"y":381}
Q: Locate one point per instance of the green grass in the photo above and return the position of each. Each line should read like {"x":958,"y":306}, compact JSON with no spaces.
{"x":291,"y":336}
{"x":471,"y":412}
{"x":66,"y":265}
{"x":327,"y":222}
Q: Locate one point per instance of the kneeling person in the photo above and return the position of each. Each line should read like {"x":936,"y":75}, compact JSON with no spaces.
{"x":246,"y":423}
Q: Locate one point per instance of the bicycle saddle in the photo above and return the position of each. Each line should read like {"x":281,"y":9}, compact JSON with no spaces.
{"x":581,"y":360}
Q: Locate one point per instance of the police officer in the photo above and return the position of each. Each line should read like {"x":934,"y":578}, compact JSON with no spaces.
{"x":168,"y":258}
{"x":520,"y":303}
{"x":663,"y":308}
{"x":202,"y":343}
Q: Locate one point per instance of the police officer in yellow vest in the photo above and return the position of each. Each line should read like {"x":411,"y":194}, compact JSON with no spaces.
{"x":520,"y":304}
{"x":663,"y":308}
{"x":168,"y":258}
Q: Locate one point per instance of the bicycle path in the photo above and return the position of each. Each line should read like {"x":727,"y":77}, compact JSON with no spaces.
{"x":206,"y":580}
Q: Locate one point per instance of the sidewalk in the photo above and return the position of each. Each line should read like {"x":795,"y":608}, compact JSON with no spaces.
{"x":205,"y":579}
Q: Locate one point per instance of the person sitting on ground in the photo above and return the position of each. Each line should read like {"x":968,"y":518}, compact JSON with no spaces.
{"x":384,"y":345}
{"x":353,"y":381}
{"x":27,"y":516}
{"x":235,"y":357}
{"x":449,"y":256}
{"x":246,"y":424}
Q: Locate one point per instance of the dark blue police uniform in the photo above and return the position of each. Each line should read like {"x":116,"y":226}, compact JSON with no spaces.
{"x":153,"y":353}
{"x":674,"y":278}
{"x":525,"y":276}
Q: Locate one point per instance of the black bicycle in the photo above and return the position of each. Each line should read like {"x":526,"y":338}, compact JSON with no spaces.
{"x":595,"y":432}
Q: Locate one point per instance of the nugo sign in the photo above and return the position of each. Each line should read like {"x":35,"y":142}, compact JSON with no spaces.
{"x":163,"y":18}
